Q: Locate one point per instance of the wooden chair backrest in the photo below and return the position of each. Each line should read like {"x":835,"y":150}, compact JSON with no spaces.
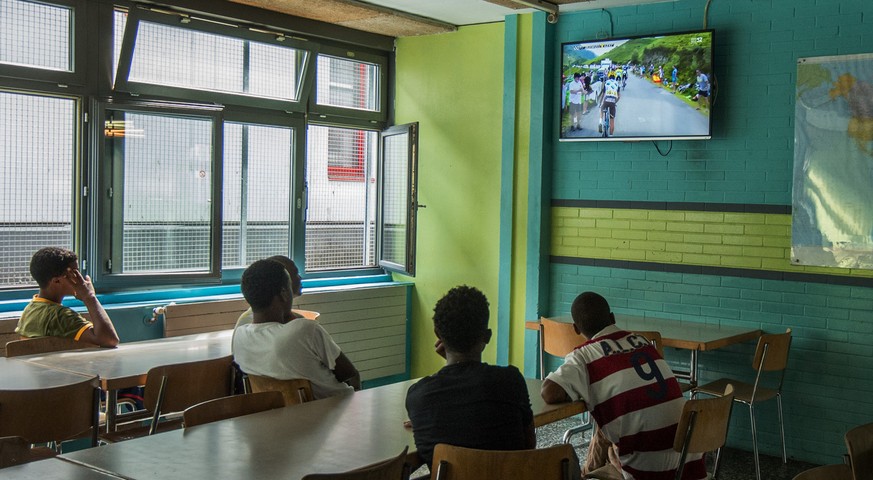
{"x":187,"y":384}
{"x":230,"y":407}
{"x":559,"y":338}
{"x":51,"y":414}
{"x":392,"y":469}
{"x":859,"y":442}
{"x":295,"y":390}
{"x":777,"y":346}
{"x":34,"y":346}
{"x":704,"y":423}
{"x":655,"y":339}
{"x":307,"y":314}
{"x":459,"y":463}
{"x":14,"y":451}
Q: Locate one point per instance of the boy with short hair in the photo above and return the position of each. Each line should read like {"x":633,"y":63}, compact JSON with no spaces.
{"x":56,"y":271}
{"x":468,"y":403}
{"x":296,"y":288}
{"x":278,"y":345}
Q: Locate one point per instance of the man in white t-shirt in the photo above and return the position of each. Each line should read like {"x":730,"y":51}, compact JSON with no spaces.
{"x":280,"y":346}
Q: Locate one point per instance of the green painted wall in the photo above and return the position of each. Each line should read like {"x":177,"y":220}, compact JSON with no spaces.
{"x":452,"y":84}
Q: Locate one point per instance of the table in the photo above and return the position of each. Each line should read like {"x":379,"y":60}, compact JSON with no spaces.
{"x":53,"y":469}
{"x":686,"y":335}
{"x":127,"y":365}
{"x":15,"y":375}
{"x":335,"y":434}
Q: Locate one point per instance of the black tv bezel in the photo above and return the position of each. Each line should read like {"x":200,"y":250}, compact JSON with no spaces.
{"x":560,"y":66}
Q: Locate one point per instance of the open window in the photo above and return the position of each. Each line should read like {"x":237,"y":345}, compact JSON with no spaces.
{"x":398,"y":203}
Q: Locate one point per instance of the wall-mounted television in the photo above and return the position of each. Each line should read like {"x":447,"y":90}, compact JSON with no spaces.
{"x":662,"y":85}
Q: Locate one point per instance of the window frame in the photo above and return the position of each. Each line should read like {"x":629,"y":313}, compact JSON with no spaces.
{"x":328,"y":113}
{"x":412,"y":205}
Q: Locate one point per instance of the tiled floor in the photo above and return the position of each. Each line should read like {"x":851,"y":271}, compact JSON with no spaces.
{"x":735,"y":464}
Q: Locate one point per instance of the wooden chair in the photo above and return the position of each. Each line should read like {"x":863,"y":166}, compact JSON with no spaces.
{"x":307,"y":314}
{"x":655,"y":339}
{"x":459,"y":463}
{"x":702,"y":428}
{"x":559,"y":339}
{"x":859,"y":442}
{"x":16,"y":451}
{"x":232,"y":406}
{"x":54,"y":414}
{"x":34,"y":346}
{"x":173,"y":388}
{"x":295,"y":390}
{"x":392,"y":469}
{"x":771,"y":355}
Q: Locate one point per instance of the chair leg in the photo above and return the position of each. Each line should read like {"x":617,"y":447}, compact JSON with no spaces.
{"x":781,"y":427}
{"x":717,"y":461}
{"x":755,"y":442}
{"x":585,"y":425}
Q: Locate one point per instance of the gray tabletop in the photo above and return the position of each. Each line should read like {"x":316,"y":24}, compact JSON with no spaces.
{"x":17,"y":375}
{"x":53,"y":469}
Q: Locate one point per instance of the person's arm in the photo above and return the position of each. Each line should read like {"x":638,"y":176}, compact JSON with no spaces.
{"x":553,"y":393}
{"x":102,"y":332}
{"x":345,"y":372}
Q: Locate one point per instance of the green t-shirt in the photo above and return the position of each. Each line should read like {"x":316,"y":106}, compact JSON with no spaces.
{"x":45,"y":318}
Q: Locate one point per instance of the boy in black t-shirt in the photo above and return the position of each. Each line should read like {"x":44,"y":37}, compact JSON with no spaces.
{"x":468,"y":403}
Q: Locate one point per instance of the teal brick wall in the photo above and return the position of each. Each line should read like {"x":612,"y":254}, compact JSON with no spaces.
{"x":829,"y":385}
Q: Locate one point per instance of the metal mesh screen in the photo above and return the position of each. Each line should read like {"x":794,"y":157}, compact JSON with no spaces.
{"x":36,"y":35}
{"x":185,"y":58}
{"x":340,"y":217}
{"x":166,"y":201}
{"x":395,"y":198}
{"x":37,"y":154}
{"x":347,"y":84}
{"x":118,"y":25}
{"x":257,"y":193}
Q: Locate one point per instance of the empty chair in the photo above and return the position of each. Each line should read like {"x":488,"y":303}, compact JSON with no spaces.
{"x":392,"y":469}
{"x":173,"y":388}
{"x":771,"y":355}
{"x":459,"y":463}
{"x":702,"y":428}
{"x":307,"y":314}
{"x":859,"y":442}
{"x":559,"y":339}
{"x":295,"y":390}
{"x":655,"y":339}
{"x":232,"y":406}
{"x":52,"y":414}
{"x":33,"y":346}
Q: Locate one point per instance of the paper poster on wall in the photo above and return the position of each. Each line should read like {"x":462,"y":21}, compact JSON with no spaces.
{"x":832,"y":208}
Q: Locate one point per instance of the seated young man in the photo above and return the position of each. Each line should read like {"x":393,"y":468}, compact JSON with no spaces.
{"x":280,"y":346}
{"x":296,"y":287}
{"x":56,"y":271}
{"x":468,"y":403}
{"x":630,"y":391}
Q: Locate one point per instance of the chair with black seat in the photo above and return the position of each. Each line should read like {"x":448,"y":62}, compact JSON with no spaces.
{"x":51,"y":415}
{"x":170,"y":389}
{"x":459,"y":463}
{"x":771,"y":355}
{"x":392,"y":469}
{"x":294,"y":390}
{"x":37,"y":345}
{"x":559,"y":339}
{"x":702,"y":428}
{"x":230,"y":407}
{"x":657,"y":341}
{"x":859,"y":442}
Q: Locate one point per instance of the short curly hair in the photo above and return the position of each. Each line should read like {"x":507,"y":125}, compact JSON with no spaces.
{"x":460,"y":318}
{"x":262,"y":281}
{"x":591,"y":313}
{"x":50,"y":262}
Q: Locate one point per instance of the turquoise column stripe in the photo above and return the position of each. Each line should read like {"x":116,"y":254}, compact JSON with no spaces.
{"x":507,"y":174}
{"x":536,"y":287}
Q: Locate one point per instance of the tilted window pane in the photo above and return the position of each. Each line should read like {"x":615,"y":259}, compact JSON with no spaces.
{"x":179,"y":57}
{"x":340,"y":218}
{"x":347,"y":84}
{"x":257,"y":193}
{"x":37,"y":154}
{"x":36,"y":35}
{"x":119,"y":23}
{"x":395,"y":201}
{"x":167,"y":196}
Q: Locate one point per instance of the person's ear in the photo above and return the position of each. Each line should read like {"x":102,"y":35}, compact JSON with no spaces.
{"x":612,"y":318}
{"x":486,"y":337}
{"x":576,"y":329}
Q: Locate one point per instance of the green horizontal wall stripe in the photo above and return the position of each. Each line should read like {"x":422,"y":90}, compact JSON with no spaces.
{"x":722,"y":271}
{"x":688,"y":206}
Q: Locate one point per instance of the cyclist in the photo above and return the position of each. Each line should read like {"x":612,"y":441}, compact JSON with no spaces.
{"x":611,"y":96}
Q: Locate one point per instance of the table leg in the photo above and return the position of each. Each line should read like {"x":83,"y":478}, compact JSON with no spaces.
{"x":111,"y":410}
{"x":693,"y":376}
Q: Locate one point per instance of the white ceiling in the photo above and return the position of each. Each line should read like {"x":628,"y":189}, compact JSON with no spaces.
{"x":469,"y":12}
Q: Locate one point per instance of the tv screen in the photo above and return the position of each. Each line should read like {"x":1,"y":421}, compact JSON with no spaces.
{"x":655,"y":87}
